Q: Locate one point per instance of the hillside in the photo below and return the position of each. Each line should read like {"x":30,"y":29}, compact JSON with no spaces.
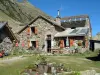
{"x":18,"y":13}
{"x":97,"y":36}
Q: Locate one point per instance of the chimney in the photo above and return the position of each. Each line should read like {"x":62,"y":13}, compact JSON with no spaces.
{"x":58,"y":18}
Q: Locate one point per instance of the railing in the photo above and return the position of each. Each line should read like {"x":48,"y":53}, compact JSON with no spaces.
{"x":57,"y":51}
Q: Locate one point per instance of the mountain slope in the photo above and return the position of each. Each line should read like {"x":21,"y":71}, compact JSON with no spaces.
{"x":18,"y":13}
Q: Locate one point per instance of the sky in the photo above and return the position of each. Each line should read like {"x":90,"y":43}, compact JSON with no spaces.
{"x":72,"y":8}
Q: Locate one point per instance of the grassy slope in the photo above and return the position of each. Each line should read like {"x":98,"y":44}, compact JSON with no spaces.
{"x":12,"y":23}
{"x":18,"y":13}
{"x":73,"y":62}
{"x":32,"y":10}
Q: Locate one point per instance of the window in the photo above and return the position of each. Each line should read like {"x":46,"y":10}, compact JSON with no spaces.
{"x":34,"y":30}
{"x":73,"y":27}
{"x":34,"y":44}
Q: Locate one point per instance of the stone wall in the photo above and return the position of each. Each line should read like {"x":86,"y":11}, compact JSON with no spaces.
{"x":97,"y":45}
{"x":5,"y":41}
{"x":87,"y":24}
{"x":43,"y":29}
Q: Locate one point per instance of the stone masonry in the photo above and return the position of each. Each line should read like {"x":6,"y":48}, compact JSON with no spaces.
{"x":44,"y":28}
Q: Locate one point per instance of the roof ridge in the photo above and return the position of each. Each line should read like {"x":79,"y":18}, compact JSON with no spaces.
{"x":40,"y":16}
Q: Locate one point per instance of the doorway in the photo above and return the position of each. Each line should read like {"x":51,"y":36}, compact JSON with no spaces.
{"x":48,"y":43}
{"x":33,"y":44}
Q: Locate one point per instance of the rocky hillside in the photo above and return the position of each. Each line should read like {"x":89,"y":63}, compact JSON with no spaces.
{"x":18,"y":13}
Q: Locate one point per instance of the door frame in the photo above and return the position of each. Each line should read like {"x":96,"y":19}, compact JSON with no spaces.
{"x":48,"y":33}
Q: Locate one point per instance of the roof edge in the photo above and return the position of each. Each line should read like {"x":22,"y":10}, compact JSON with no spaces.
{"x":40,"y":16}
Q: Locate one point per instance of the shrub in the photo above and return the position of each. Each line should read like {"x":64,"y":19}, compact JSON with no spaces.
{"x":41,"y":59}
{"x":31,"y":66}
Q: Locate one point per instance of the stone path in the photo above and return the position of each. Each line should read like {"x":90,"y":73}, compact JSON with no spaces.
{"x":11,"y":60}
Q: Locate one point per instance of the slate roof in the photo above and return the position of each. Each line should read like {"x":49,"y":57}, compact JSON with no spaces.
{"x":73,"y":24}
{"x":82,"y":31}
{"x":2,"y":24}
{"x":74,"y":21}
{"x":5,"y":24}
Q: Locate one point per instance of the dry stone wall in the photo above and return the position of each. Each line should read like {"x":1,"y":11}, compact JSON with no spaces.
{"x":43,"y":29}
{"x":5,"y":43}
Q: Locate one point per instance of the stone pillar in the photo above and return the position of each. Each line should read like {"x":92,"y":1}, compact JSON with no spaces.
{"x":88,"y":25}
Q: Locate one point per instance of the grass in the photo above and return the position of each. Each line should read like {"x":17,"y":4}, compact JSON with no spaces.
{"x":16,"y":67}
{"x":75,"y":62}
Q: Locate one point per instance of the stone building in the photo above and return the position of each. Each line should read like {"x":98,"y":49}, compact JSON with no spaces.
{"x":78,"y":28}
{"x":40,"y":33}
{"x":45,"y":34}
{"x":6,"y":36}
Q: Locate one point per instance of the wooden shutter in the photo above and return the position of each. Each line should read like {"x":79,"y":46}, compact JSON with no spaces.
{"x":71,"y":42}
{"x":28,"y":30}
{"x":61,"y":43}
{"x":28,"y":43}
{"x":37,"y":44}
{"x":35,"y":30}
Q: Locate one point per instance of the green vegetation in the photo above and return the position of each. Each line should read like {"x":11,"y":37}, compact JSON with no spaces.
{"x":41,"y":59}
{"x":75,"y":62}
{"x":18,"y":13}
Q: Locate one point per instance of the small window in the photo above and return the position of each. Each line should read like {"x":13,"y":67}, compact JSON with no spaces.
{"x":73,"y":27}
{"x":34,"y":44}
{"x":34,"y":30}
